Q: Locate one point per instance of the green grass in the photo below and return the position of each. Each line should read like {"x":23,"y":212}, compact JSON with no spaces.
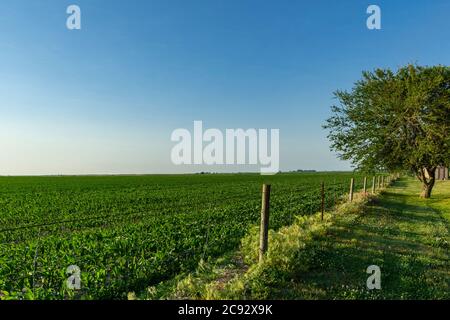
{"x":407,"y":237}
{"x":440,"y":200}
{"x":400,"y":233}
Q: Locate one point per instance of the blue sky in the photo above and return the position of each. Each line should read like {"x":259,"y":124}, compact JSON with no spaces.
{"x":105,"y":99}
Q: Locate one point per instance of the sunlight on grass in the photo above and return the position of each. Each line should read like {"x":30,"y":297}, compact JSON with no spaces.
{"x":441,"y":199}
{"x":406,"y":236}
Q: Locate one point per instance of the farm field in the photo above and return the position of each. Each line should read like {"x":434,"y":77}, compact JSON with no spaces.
{"x":126,"y":233}
{"x":406,"y":237}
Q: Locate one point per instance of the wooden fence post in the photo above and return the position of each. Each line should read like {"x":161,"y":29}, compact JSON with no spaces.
{"x":373,"y":185}
{"x":382,"y":181}
{"x":352,"y":182}
{"x":378,"y":182}
{"x":264,"y":230}
{"x":323,"y":198}
{"x":365,"y":185}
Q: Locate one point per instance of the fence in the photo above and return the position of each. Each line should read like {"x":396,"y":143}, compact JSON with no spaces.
{"x":382,"y":182}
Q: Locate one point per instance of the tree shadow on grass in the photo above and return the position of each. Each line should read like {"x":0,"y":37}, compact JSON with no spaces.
{"x":392,"y":234}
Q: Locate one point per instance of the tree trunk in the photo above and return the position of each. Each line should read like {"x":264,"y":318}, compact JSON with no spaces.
{"x":426,"y":190}
{"x":428,"y":178}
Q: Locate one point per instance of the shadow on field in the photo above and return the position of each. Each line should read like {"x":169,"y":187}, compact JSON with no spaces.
{"x":405,"y":239}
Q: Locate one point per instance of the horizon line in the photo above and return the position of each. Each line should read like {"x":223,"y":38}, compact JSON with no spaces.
{"x":166,"y":174}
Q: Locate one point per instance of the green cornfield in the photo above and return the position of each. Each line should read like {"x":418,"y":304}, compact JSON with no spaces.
{"x":126,"y":233}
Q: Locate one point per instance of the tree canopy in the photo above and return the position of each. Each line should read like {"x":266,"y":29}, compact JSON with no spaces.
{"x":395,"y":121}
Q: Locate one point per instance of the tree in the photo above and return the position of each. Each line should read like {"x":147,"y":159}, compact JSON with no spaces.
{"x":395,"y":121}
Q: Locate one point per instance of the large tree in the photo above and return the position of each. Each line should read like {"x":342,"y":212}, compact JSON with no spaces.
{"x":395,"y":121}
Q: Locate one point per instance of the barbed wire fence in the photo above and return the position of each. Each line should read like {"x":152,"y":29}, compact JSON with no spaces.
{"x":383,"y":182}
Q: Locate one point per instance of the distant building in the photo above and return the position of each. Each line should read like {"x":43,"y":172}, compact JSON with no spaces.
{"x":441,"y":173}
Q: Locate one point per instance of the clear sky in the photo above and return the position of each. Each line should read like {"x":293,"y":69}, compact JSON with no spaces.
{"x":106,"y":98}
